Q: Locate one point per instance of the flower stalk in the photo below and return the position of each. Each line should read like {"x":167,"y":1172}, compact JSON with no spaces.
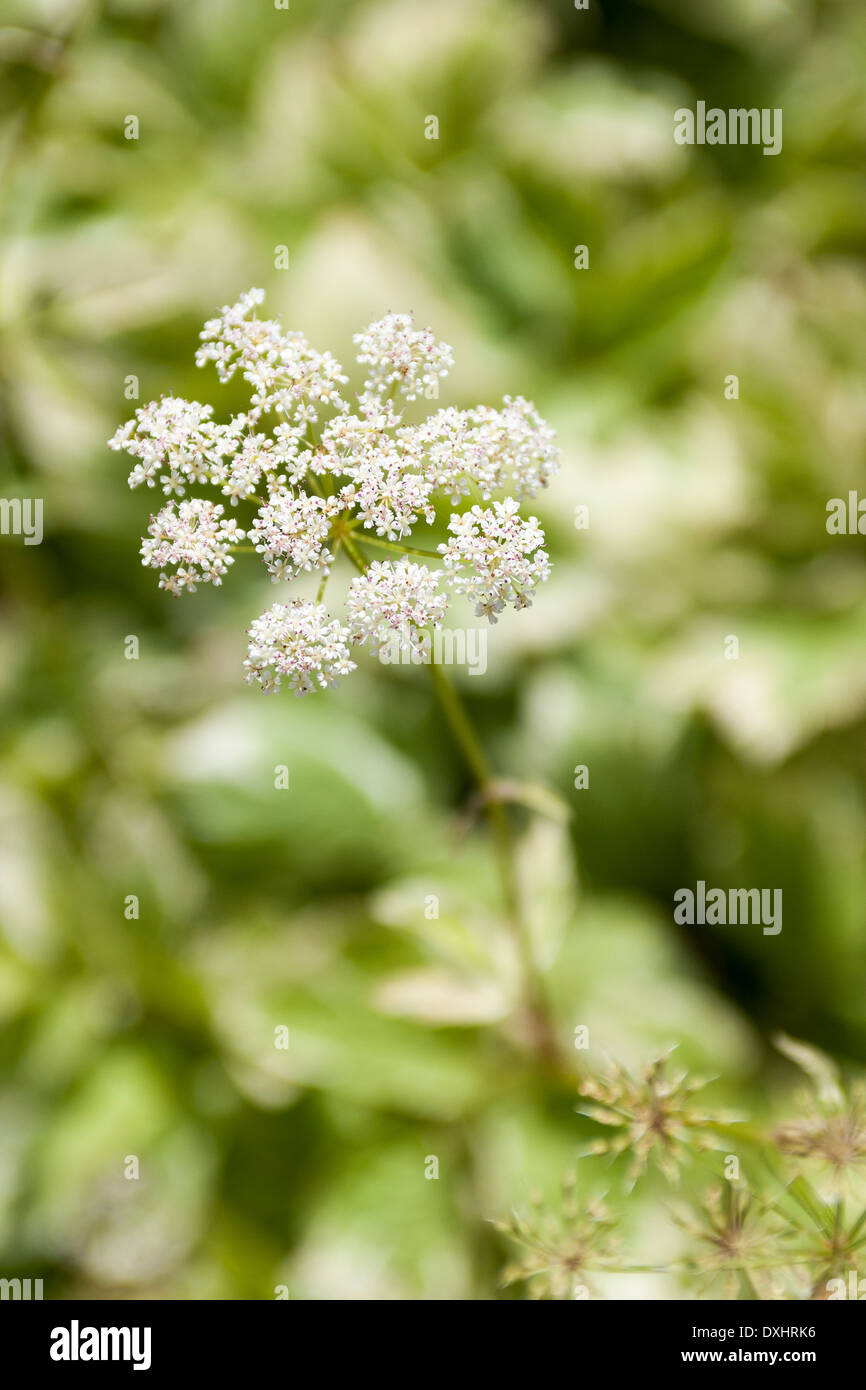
{"x":538,"y":1013}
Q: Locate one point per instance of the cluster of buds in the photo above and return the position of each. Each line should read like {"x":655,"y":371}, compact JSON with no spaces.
{"x":325,"y":476}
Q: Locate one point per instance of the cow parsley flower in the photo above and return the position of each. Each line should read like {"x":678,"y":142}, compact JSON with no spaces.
{"x":321,"y":480}
{"x":299,"y":643}
{"x":287,"y":375}
{"x":511,"y":449}
{"x":291,"y":532}
{"x":247,"y":468}
{"x":401,"y":599}
{"x":194,"y":536}
{"x":516,"y":444}
{"x":495,"y":557}
{"x":385,"y":488}
{"x":399,"y":355}
{"x":178,"y":438}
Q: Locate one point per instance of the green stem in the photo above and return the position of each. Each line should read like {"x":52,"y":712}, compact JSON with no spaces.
{"x":462,"y":728}
{"x":351,"y":551}
{"x":320,"y":593}
{"x":470,"y":747}
{"x":404,"y":549}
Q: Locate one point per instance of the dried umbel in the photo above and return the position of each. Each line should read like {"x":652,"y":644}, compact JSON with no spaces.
{"x":833,"y":1136}
{"x":829,"y":1132}
{"x":831,"y":1246}
{"x":654,"y":1115}
{"x":763,"y":1230}
{"x":737,"y":1243}
{"x":562,"y":1243}
{"x":322,"y":476}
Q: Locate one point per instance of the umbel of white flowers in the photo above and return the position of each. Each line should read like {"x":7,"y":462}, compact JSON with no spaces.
{"x":321,"y":474}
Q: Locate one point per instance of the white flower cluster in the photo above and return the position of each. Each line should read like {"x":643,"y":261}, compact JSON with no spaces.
{"x":287,"y":375}
{"x":300,"y":643}
{"x":389,"y":599}
{"x":511,"y":449}
{"x":194,"y":536}
{"x":495,"y":557}
{"x":386,"y":490}
{"x":326,"y":478}
{"x":402,"y":356}
{"x":179,"y":437}
{"x":291,"y":533}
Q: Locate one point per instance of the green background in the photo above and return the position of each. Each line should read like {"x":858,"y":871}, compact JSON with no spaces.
{"x":154,"y":1037}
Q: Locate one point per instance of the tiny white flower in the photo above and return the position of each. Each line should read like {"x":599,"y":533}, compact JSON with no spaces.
{"x":290,"y":533}
{"x":299,"y":643}
{"x":287,"y":375}
{"x":176,"y":438}
{"x":194,"y":536}
{"x":391,"y":599}
{"x":494,"y":557}
{"x":384,"y":489}
{"x":402,"y":356}
{"x":511,"y":449}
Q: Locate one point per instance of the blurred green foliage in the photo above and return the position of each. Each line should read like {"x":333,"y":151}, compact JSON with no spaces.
{"x":154,"y":1036}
